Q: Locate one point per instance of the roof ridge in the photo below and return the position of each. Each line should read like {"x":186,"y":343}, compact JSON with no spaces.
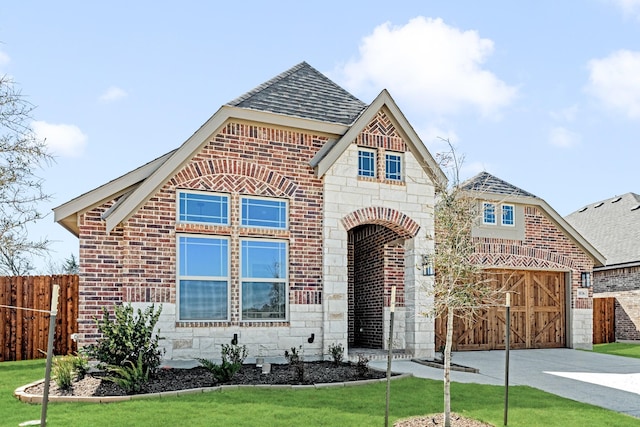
{"x":267,"y":84}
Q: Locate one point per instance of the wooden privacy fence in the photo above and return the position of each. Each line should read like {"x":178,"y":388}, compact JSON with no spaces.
{"x":23,"y":333}
{"x":604,"y":320}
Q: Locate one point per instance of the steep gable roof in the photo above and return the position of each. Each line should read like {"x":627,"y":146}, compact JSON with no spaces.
{"x":491,"y":188}
{"x":300,"y":98}
{"x":612,"y":226}
{"x":303,"y":91}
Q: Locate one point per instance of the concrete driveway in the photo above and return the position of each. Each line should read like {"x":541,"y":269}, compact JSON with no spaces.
{"x":610,"y":382}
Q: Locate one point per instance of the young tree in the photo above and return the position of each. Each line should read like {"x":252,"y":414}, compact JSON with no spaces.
{"x":21,"y":154}
{"x":459,"y":288}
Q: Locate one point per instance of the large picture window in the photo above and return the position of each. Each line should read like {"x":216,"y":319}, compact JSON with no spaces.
{"x":264,"y":279}
{"x":203,"y":207}
{"x":263,"y":212}
{"x":203,"y":278}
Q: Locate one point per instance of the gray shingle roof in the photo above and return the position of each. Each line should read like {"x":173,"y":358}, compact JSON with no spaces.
{"x":487,"y":183}
{"x":303,"y":91}
{"x":612,"y":226}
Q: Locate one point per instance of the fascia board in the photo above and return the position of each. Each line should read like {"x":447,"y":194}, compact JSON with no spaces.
{"x":107,"y":191}
{"x":202,"y":136}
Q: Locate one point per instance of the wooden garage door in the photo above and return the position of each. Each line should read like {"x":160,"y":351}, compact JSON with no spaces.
{"x":537,"y":314}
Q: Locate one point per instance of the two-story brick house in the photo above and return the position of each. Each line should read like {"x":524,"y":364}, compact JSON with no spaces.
{"x":283,"y":221}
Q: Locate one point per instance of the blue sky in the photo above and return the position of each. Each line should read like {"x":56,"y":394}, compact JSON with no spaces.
{"x":543,"y":94}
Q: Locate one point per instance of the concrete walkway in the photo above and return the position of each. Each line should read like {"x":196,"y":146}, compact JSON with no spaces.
{"x":610,"y":382}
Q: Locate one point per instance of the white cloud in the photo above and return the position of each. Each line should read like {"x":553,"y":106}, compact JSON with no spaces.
{"x":113,"y":93}
{"x":431,"y":66}
{"x":563,"y":138}
{"x":4,"y":59}
{"x":568,"y":114}
{"x":63,"y":140}
{"x":629,"y":7}
{"x":615,"y":82}
{"x":434,"y":138}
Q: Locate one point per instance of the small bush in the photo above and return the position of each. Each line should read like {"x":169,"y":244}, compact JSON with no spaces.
{"x":80,"y":366}
{"x":127,"y":338}
{"x":131,"y":377}
{"x":296,"y":361}
{"x":232,"y":359}
{"x":362,"y":365}
{"x":62,"y":370}
{"x":337,"y":353}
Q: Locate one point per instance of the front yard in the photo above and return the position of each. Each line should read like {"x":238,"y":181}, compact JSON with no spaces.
{"x":348,"y":406}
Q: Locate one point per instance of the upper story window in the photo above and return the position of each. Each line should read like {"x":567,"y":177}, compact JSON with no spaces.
{"x":393,"y":166}
{"x":366,"y":163}
{"x":508,"y":217}
{"x":203,"y":276}
{"x":203,"y":207}
{"x":263,"y":212}
{"x":264,"y":279}
{"x":489,"y":213}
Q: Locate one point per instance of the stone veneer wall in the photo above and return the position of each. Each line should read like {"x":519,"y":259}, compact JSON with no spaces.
{"x":546,"y":247}
{"x":351,"y":201}
{"x":136,"y":262}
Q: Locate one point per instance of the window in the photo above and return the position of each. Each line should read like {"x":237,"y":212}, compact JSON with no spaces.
{"x":488,"y":213}
{"x":264,"y":279}
{"x":202,"y":207}
{"x":203,"y":276}
{"x":367,"y":163}
{"x":393,"y":167}
{"x":508,"y":215}
{"x":261,"y":212}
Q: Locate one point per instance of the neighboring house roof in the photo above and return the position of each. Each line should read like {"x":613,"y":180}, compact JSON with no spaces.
{"x":612,"y":226}
{"x":488,"y":187}
{"x":303,"y":91}
{"x":301,"y":98}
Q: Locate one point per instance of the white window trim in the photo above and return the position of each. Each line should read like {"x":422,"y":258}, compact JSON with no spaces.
{"x":285,"y":281}
{"x":484,"y":206}
{"x":375,"y":162}
{"x":513,"y":213}
{"x":212,"y":278}
{"x":286,"y":206}
{"x":207,"y":193}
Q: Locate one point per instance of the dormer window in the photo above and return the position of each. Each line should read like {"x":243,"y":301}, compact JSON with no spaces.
{"x":489,"y":213}
{"x":508,"y":217}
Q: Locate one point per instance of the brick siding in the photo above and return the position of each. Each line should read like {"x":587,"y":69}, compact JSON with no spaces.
{"x":624,"y":285}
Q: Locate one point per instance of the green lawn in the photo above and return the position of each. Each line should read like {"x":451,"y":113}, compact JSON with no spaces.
{"x":619,"y":349}
{"x":345,"y":406}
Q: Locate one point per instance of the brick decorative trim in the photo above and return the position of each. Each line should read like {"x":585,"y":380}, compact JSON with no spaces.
{"x":515,"y":255}
{"x":395,"y":220}
{"x":245,"y":177}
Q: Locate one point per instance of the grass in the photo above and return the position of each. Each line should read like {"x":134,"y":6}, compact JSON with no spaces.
{"x":618,"y":349}
{"x":348,"y":406}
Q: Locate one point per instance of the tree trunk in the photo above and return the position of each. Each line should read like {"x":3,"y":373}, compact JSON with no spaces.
{"x":447,"y":369}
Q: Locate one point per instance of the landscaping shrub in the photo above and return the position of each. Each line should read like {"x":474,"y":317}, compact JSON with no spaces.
{"x":128,"y":338}
{"x":337,"y":353}
{"x":296,"y":362}
{"x":131,"y":377}
{"x":362,"y":365}
{"x":67,"y":368}
{"x":232,"y":359}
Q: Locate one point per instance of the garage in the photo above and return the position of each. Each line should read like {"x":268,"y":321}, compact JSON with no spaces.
{"x":538,"y":314}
